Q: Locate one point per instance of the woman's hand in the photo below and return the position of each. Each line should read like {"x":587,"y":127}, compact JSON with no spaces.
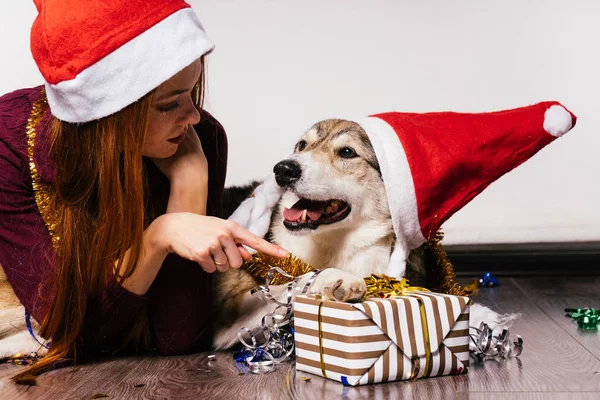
{"x":215,"y":244}
{"x":187,"y":171}
{"x":188,"y":163}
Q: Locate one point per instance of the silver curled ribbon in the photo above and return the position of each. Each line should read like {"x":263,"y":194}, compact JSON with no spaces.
{"x":487,"y":345}
{"x":278,"y":342}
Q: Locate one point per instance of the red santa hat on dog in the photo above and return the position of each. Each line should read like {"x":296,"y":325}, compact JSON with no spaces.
{"x":99,"y":56}
{"x":433,"y":164}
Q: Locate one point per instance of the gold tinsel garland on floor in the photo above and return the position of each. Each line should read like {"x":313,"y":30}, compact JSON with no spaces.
{"x":440,"y":272}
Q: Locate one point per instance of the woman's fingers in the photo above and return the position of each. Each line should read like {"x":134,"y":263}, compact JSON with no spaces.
{"x":206,"y":262}
{"x":231,"y":251}
{"x":217,"y":254}
{"x":213,"y":243}
{"x":244,"y":253}
{"x":242,"y":236}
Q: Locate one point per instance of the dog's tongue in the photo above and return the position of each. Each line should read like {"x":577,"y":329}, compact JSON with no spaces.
{"x":314,"y":210}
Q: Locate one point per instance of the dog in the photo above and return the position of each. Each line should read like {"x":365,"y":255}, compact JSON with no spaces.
{"x":331,"y":211}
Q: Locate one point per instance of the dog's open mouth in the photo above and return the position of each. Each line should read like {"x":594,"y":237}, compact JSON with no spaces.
{"x":311,"y":213}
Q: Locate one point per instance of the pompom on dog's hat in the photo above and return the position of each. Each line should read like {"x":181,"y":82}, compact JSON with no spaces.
{"x":433,"y":164}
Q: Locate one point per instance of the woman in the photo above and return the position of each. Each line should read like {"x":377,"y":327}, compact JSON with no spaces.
{"x":111,"y":180}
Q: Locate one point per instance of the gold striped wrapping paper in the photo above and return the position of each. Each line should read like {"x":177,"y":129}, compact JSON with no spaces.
{"x":382,"y":340}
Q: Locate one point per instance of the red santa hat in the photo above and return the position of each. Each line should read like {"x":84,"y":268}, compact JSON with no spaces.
{"x":433,"y":164}
{"x":98,"y":56}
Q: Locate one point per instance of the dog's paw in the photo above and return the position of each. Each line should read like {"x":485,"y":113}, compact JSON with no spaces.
{"x":335,"y":284}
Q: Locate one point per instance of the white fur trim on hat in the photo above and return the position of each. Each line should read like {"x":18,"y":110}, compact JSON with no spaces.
{"x":397,"y":179}
{"x":400,"y":189}
{"x":130,"y":72}
{"x":397,"y":264}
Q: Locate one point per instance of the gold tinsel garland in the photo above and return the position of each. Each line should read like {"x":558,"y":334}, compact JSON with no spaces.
{"x":44,"y":192}
{"x":260,"y":264}
{"x":440,"y":272}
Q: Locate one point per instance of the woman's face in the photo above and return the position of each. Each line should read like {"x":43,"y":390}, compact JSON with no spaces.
{"x":172,"y":112}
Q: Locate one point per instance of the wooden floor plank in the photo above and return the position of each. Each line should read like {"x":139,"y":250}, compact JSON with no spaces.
{"x":554,"y":295}
{"x":534,"y":396}
{"x":434,"y":388}
{"x":72,"y":382}
{"x":551,"y":362}
{"x":195,"y":377}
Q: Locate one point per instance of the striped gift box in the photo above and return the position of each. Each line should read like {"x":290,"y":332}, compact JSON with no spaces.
{"x":422,"y":334}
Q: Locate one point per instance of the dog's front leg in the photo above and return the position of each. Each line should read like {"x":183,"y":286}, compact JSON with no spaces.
{"x":335,"y":284}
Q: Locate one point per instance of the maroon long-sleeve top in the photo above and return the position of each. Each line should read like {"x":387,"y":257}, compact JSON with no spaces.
{"x":179,"y":302}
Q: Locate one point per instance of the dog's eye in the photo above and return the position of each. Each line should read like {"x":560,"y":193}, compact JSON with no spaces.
{"x":302,"y":145}
{"x":347,"y":152}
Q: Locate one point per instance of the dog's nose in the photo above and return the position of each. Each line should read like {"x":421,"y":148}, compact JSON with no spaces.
{"x":287,"y":172}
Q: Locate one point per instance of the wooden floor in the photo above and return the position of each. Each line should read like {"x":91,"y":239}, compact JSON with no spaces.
{"x":558,"y":362}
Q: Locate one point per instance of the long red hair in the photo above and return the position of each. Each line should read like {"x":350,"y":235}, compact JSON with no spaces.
{"x":101,"y":196}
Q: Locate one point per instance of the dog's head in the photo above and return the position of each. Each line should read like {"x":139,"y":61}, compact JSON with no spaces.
{"x":331,"y":181}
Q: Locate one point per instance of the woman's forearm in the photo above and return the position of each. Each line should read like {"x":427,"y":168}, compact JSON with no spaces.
{"x":152,"y":257}
{"x":189,"y":198}
{"x":185,"y":197}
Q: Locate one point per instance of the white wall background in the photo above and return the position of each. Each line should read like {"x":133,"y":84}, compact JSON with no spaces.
{"x":280,"y":66}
